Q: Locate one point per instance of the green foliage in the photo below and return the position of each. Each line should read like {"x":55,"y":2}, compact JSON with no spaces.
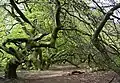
{"x":17,"y":32}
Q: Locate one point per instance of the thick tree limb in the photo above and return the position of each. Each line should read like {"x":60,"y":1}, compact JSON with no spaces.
{"x":95,"y":39}
{"x":19,"y":12}
{"x":11,"y":50}
{"x":103,"y":22}
{"x":51,"y":43}
{"x":22,"y":40}
{"x":58,"y":23}
{"x":101,"y":9}
{"x":19,"y":20}
{"x":39,"y":37}
{"x":99,"y":45}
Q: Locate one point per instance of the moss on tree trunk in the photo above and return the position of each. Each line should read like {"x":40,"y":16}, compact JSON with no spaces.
{"x":10,"y":70}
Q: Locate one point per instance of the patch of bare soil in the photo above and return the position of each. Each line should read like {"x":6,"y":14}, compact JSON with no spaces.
{"x":64,"y":76}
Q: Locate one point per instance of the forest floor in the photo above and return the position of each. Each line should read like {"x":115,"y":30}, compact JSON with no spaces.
{"x":63,"y":75}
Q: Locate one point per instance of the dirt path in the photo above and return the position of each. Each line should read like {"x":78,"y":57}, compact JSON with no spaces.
{"x":99,"y":77}
{"x":57,"y":77}
{"x":61,"y":76}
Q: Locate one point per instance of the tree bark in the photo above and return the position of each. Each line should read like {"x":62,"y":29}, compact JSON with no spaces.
{"x":10,"y":71}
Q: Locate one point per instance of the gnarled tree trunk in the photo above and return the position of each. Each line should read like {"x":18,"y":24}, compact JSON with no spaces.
{"x":10,"y":71}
